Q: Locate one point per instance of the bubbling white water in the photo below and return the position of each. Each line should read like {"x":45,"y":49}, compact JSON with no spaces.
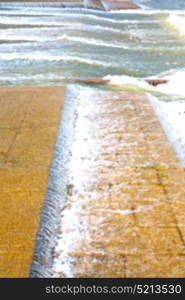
{"x":172,"y":118}
{"x":174,"y":86}
{"x":87,"y":3}
{"x":178,"y":22}
{"x":170,"y":113}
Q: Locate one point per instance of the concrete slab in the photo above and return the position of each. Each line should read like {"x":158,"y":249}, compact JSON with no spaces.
{"x":28,"y":126}
{"x":126,"y":193}
{"x":130,"y":195}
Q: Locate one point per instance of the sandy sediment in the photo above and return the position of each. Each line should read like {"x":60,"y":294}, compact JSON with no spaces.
{"x":29,"y":119}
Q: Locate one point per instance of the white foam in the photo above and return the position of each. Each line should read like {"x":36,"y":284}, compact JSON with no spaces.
{"x":49,"y":12}
{"x":175,"y":85}
{"x":49,"y":57}
{"x":90,"y":41}
{"x":28,"y":13}
{"x":172,"y":113}
{"x":27,"y":77}
{"x":23,"y":20}
{"x":23,"y":37}
{"x":172,"y":117}
{"x":178,"y":22}
{"x":125,"y":80}
{"x":104,"y":19}
{"x":66,"y":243}
{"x":92,"y":28}
{"x":26,"y":21}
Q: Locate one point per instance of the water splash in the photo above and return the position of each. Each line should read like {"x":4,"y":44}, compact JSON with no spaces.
{"x":174,"y":87}
{"x":172,"y":118}
{"x":87,"y":3}
{"x":177,"y":21}
{"x":54,"y":202}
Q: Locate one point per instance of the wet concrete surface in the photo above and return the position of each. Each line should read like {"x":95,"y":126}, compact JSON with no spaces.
{"x":123,"y":187}
{"x":123,"y":214}
{"x":28,"y":126}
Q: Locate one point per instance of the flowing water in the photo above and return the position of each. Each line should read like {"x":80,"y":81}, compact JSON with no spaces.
{"x":41,"y":44}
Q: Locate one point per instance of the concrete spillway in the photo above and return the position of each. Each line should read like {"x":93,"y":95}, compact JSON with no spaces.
{"x":113,"y":208}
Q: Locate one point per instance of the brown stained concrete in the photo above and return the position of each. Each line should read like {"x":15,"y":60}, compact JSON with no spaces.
{"x":126,"y":194}
{"x":28,"y":125}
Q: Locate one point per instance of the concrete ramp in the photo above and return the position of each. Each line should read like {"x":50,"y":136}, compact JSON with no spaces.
{"x":120,"y":191}
{"x":29,"y":119}
{"x":115,"y":198}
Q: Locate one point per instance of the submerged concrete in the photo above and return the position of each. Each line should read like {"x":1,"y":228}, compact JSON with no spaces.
{"x":28,"y":125}
{"x":122,"y":185}
{"x":122,"y":213}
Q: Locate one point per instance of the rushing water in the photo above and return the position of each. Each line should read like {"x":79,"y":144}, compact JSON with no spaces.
{"x":44,"y":44}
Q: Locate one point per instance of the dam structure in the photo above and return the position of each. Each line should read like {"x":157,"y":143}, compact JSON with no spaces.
{"x":118,"y":211}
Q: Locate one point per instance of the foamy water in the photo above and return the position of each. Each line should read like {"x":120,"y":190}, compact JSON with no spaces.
{"x":174,"y":87}
{"x":76,"y":37}
{"x":178,"y":22}
{"x":171,"y":113}
{"x":45,"y":57}
{"x":172,"y":117}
